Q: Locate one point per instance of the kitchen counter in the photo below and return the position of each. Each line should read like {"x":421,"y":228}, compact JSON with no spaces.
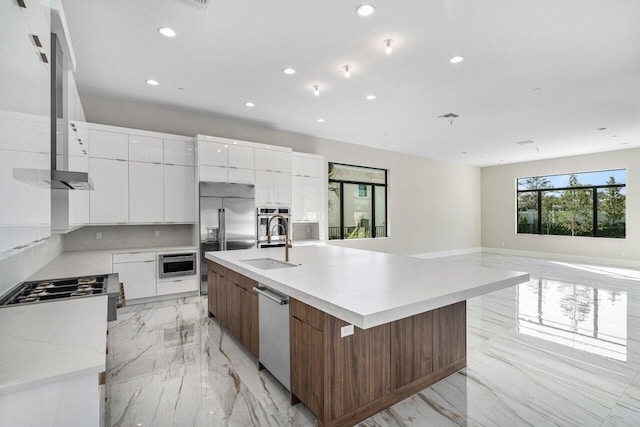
{"x":49,"y":342}
{"x":367,"y":288}
{"x":85,"y":263}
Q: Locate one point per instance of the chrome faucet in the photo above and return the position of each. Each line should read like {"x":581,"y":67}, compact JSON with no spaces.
{"x":287,"y":241}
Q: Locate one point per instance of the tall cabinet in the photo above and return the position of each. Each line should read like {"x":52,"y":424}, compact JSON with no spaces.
{"x":308,"y":204}
{"x":25,"y":211}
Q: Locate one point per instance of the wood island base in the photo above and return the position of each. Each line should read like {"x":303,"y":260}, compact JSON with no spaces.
{"x":346,"y":380}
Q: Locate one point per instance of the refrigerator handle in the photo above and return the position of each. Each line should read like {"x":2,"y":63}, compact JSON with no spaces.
{"x":223,"y":229}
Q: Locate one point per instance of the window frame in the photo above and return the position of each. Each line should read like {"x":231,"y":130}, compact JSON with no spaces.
{"x":594,"y":194}
{"x":341,"y":183}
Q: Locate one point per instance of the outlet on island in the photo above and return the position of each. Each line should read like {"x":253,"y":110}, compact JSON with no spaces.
{"x":98,"y":236}
{"x":157,"y":233}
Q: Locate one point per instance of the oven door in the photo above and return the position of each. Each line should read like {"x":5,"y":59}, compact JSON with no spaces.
{"x":175,"y":265}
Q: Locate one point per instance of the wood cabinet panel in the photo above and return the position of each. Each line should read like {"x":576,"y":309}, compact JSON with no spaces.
{"x":222,"y":292}
{"x":411,"y":349}
{"x":449,"y":334}
{"x":307,"y":365}
{"x":234,"y":309}
{"x":249,"y":321}
{"x":212,"y":284}
{"x":359,"y":367}
{"x":307,"y":314}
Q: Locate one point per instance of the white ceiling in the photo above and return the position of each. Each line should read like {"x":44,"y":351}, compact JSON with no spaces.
{"x":584,"y":55}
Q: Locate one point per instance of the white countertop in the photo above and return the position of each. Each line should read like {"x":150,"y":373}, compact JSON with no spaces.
{"x":86,"y":263}
{"x":48,"y":342}
{"x":368,"y":288}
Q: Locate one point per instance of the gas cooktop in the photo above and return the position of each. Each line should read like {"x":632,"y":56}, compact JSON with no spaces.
{"x":71,"y":287}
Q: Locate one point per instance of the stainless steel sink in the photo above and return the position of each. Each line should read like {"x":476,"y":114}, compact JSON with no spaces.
{"x":267,"y":263}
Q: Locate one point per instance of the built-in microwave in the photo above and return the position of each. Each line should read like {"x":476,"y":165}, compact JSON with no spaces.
{"x":176,"y":264}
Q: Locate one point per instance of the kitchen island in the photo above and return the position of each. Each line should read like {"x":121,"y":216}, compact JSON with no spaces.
{"x":409,"y":318}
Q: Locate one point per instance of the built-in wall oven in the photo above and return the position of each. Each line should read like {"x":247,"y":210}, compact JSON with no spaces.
{"x":176,"y":264}
{"x":278,"y":225}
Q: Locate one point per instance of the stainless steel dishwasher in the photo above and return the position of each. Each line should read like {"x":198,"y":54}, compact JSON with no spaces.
{"x":273,"y":330}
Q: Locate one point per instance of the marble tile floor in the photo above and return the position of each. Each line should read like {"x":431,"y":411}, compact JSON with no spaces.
{"x":561,"y":350}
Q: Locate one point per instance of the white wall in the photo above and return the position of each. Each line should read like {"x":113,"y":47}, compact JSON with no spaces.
{"x":499,"y":207}
{"x":433,"y":205}
{"x":20,"y":266}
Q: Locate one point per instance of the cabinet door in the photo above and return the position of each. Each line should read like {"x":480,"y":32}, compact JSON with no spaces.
{"x":264,"y":159}
{"x":311,"y":200}
{"x":139,"y":278}
{"x":179,"y":194}
{"x":240,"y":157}
{"x":307,"y":362}
{"x":179,"y":152}
{"x":313,"y":167}
{"x":78,"y":200}
{"x":297,"y":197}
{"x":108,"y":145}
{"x":297,"y":165}
{"x":145,"y":149}
{"x":145,"y":192}
{"x":282,"y":161}
{"x":282,"y":188}
{"x":242,"y":176}
{"x":212,"y":281}
{"x":212,"y":153}
{"x":249,"y":321}
{"x":214,"y":173}
{"x":109,"y":200}
{"x":264,"y":187}
{"x":234,"y":304}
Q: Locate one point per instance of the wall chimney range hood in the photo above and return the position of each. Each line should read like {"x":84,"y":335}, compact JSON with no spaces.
{"x":61,"y":179}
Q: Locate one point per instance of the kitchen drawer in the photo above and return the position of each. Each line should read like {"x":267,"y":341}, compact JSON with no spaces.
{"x":134,"y":257}
{"x":177,"y":286}
{"x":247,"y":283}
{"x":307,"y":314}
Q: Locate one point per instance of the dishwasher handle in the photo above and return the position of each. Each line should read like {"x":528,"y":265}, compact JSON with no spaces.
{"x":272,"y":296}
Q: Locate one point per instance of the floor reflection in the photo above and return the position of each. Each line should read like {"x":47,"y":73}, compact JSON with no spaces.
{"x":579,"y":316}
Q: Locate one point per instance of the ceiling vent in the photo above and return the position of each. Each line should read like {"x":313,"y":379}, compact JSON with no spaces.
{"x":526,"y":142}
{"x":198,"y":4}
{"x":449,"y":116}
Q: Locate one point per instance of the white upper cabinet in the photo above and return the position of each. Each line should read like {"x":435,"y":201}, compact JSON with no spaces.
{"x":179,"y":194}
{"x":109,"y":200}
{"x":282,"y":188}
{"x":273,"y":188}
{"x":179,"y":152}
{"x":78,"y":200}
{"x":212,"y":153}
{"x":145,"y":149}
{"x":242,"y":176}
{"x":282,"y":162}
{"x":307,"y":165}
{"x":240,"y":157}
{"x":108,"y":145}
{"x":145,"y":192}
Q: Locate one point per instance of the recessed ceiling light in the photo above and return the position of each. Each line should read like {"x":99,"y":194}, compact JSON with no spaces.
{"x":538,"y":89}
{"x":180,"y":88}
{"x":316,"y":90}
{"x":289,"y":71}
{"x":614,"y":136}
{"x":249,"y":104}
{"x":371,"y":97}
{"x":320,"y":120}
{"x":152,"y":82}
{"x":167,"y":32}
{"x":456,"y":59}
{"x":347,"y":71}
{"x":388,"y":49}
{"x":365,"y":10}
{"x":463,"y":152}
{"x":602,"y":128}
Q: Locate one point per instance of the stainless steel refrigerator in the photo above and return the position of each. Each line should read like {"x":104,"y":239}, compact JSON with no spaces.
{"x":227,"y":220}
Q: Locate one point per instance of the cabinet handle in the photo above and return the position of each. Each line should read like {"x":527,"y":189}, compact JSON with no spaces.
{"x":120,"y":160}
{"x":156,"y":163}
{"x":233,"y":167}
{"x":150,"y":260}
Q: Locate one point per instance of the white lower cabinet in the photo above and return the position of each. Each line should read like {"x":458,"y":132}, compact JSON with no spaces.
{"x":175,"y":286}
{"x":138,"y":272}
{"x":109,"y":200}
{"x":146,"y":190}
{"x":179,"y":194}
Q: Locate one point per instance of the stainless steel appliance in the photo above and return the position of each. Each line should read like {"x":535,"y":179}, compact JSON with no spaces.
{"x":176,"y":265}
{"x":273,"y":333}
{"x":70,"y":287}
{"x":227,"y":220}
{"x":278,"y":225}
